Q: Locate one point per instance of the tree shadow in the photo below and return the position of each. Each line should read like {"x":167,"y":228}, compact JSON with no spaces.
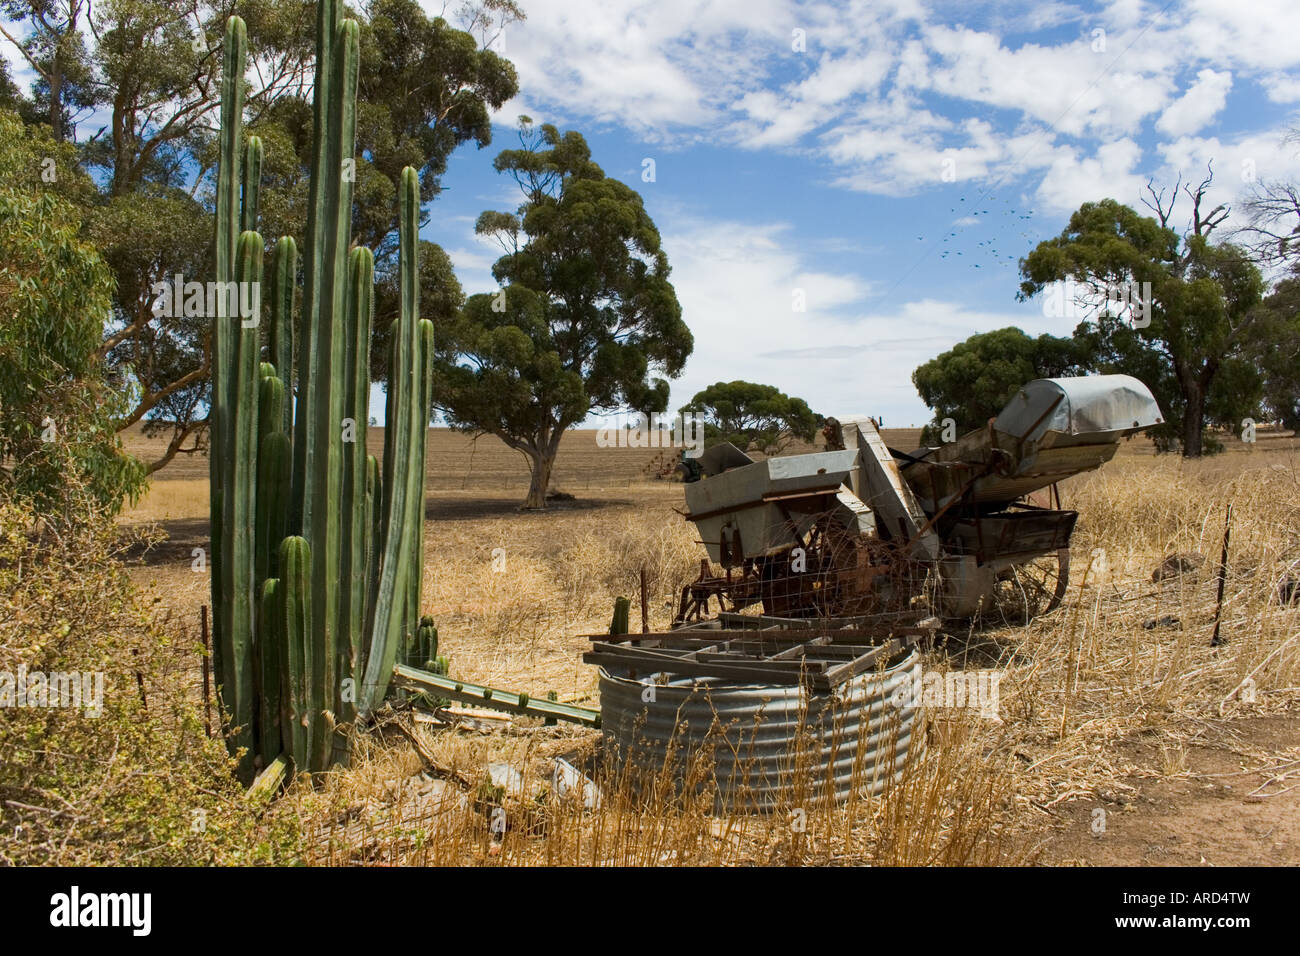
{"x":183,"y":535}
{"x":464,"y":509}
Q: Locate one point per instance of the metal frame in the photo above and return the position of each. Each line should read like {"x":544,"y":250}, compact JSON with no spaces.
{"x":820,"y":654}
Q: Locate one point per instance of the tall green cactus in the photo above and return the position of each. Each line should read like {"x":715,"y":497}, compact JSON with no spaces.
{"x":284,"y":273}
{"x":317,"y":553}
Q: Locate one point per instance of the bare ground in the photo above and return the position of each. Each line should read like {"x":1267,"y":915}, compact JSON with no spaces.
{"x":1235,"y":802}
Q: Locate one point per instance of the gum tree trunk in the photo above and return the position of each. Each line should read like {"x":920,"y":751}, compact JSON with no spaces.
{"x":541,"y":458}
{"x":543,"y":463}
{"x":1193,"y":420}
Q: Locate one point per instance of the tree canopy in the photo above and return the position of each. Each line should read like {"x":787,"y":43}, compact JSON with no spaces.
{"x":754,"y":416}
{"x":1187,"y":337}
{"x":1275,"y":351}
{"x":58,"y":449}
{"x":150,"y":67}
{"x":972,"y":381}
{"x":585,"y":320}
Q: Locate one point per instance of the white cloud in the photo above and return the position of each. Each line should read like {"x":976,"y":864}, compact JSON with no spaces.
{"x":885,"y":92}
{"x":1069,"y":86}
{"x":473,"y":268}
{"x":844,"y":354}
{"x":652,"y":66}
{"x":1198,"y":106}
{"x":1259,"y":35}
{"x":1074,"y":178}
{"x":1282,"y":88}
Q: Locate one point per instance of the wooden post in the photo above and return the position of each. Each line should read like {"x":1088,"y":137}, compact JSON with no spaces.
{"x":645,"y":611}
{"x":1216,"y":640}
{"x":207,"y":670}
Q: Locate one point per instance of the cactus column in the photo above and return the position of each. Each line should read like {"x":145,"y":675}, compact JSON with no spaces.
{"x":316,"y":553}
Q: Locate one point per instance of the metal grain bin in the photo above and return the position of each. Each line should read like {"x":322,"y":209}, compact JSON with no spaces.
{"x":769,"y":747}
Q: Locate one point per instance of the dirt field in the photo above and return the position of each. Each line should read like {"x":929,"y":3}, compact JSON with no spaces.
{"x":1122,"y":741}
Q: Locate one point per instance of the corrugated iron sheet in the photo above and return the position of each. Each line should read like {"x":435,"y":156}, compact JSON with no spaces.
{"x":770,"y":747}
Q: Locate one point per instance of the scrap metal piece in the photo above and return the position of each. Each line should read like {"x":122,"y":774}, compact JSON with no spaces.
{"x":568,"y":782}
{"x":721,"y":457}
{"x":413,"y":678}
{"x":882,"y":488}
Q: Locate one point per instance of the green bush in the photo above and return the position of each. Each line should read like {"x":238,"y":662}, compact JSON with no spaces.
{"x":58,"y":412}
{"x":141,"y":783}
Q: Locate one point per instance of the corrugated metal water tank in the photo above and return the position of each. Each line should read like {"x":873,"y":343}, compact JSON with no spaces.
{"x":756,"y":736}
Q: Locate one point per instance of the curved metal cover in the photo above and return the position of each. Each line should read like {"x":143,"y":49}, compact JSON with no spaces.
{"x":1089,"y":404}
{"x":771,"y":747}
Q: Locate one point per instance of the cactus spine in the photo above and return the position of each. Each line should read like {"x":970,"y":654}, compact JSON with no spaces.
{"x":316,"y":553}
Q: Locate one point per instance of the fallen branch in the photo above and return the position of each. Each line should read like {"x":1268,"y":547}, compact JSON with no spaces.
{"x":430,"y":762}
{"x":269,"y":781}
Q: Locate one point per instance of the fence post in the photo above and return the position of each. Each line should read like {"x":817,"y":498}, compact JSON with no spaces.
{"x":207,"y":670}
{"x":1216,"y":640}
{"x":645,"y":611}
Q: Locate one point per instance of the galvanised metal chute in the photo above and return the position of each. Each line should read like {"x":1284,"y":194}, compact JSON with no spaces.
{"x":1052,"y":429}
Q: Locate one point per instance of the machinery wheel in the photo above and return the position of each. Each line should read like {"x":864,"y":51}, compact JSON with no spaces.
{"x":1026,"y":591}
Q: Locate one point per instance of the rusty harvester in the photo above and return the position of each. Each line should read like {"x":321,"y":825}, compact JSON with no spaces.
{"x":862,"y":528}
{"x":835,"y":565}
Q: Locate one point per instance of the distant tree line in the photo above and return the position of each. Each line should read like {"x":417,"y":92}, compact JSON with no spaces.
{"x":1187,"y":313}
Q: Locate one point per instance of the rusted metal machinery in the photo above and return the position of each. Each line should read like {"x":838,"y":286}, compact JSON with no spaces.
{"x":835,"y":565}
{"x":864,"y":529}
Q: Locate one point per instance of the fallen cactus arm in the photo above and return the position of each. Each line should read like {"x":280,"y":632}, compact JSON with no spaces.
{"x":269,"y":781}
{"x":416,"y":679}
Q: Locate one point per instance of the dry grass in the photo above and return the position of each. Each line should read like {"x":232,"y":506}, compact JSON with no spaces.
{"x":1077,"y":682}
{"x":948,"y":808}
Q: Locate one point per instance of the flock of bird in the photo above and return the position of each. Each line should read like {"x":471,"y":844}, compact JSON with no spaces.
{"x":1002,"y":220}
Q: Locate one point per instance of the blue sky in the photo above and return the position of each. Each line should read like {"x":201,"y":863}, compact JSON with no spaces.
{"x":891,"y":160}
{"x":824,"y":169}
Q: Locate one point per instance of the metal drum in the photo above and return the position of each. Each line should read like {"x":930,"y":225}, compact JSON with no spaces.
{"x":765,"y":747}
